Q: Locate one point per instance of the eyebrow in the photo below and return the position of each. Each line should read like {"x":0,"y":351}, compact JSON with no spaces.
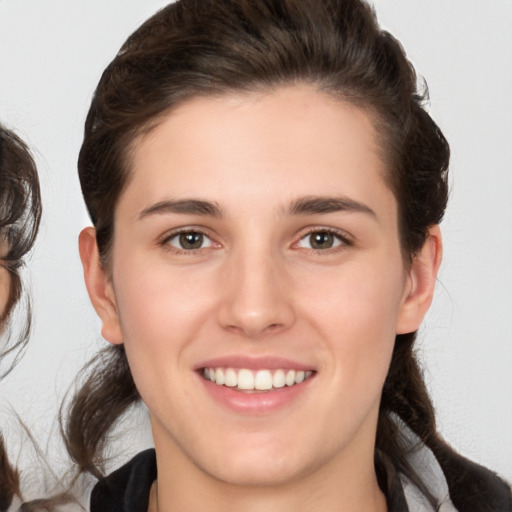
{"x":185,"y":206}
{"x":315,"y":205}
{"x":301,"y":206}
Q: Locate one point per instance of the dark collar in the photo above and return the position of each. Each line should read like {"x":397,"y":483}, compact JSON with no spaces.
{"x":126,"y":489}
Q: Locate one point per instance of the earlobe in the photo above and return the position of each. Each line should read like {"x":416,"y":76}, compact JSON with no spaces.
{"x":421,"y":283}
{"x":99,"y":286}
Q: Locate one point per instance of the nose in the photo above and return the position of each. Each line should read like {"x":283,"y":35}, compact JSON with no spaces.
{"x":257,"y":299}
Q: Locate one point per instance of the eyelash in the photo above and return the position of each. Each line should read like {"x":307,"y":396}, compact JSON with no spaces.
{"x":342,"y":237}
{"x":184,"y":231}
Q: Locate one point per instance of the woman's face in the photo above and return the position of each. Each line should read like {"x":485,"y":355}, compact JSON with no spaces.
{"x":256,"y":244}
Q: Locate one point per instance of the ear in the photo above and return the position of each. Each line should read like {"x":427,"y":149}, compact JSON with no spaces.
{"x":421,"y":282}
{"x":99,"y":286}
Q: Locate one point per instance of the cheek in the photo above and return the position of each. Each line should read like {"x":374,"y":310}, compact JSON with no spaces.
{"x":359,"y":297}
{"x":162,"y":300}
{"x":162,"y":310}
{"x":355,"y":309}
{"x":5,"y":289}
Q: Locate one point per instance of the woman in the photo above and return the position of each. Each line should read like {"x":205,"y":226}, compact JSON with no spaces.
{"x":20,"y":213}
{"x":266,"y":189}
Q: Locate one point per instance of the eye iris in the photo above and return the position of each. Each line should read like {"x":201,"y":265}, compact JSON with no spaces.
{"x":321,"y":240}
{"x":191,"y":240}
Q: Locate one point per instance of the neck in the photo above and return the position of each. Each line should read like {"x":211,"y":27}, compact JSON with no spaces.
{"x":259,"y":500}
{"x":350,"y":484}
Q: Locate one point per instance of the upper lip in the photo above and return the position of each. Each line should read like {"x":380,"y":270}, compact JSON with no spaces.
{"x":254,"y":363}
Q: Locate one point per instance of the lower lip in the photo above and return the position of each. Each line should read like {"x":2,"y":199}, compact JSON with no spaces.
{"x":256,"y":403}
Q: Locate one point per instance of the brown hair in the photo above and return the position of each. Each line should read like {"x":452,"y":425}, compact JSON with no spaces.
{"x":212,"y":47}
{"x":20,"y":213}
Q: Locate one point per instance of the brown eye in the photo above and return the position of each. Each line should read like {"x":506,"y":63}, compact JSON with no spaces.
{"x":189,"y":241}
{"x":321,"y":240}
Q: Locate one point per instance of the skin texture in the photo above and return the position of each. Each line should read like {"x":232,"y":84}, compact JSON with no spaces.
{"x":5,"y":281}
{"x":255,"y":288}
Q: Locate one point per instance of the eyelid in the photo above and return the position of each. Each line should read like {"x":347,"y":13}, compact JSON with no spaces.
{"x":346,"y":239}
{"x":169,"y":235}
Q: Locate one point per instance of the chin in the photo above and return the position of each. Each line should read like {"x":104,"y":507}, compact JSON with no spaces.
{"x":247,"y":472}
{"x":267,"y":461}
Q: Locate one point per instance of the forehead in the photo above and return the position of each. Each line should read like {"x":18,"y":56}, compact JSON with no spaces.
{"x":277,"y":145}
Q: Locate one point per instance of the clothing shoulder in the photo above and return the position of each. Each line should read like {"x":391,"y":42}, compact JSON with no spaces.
{"x":126,"y":489}
{"x":456,"y":483}
{"x":474,"y":488}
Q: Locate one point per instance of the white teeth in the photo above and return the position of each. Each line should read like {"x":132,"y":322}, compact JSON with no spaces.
{"x":278,"y":379}
{"x":263,"y":380}
{"x":230,"y":378}
{"x":245,"y":379}
{"x":249,"y":380}
{"x":219,"y":376}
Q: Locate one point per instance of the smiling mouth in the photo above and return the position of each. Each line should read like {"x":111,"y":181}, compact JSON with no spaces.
{"x":255,"y":380}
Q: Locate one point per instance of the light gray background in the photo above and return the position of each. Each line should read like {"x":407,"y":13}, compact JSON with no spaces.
{"x":51,"y":55}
